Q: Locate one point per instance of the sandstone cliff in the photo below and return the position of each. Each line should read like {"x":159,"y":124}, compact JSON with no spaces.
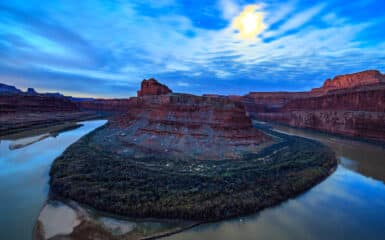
{"x":185,"y":126}
{"x":20,"y":102}
{"x":152,"y":87}
{"x":179,"y":125}
{"x":24,"y":110}
{"x":105,"y":105}
{"x":350,"y":105}
{"x":364,"y":78}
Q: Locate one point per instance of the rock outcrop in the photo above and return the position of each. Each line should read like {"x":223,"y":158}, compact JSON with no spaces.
{"x":350,"y":105}
{"x":153,"y":87}
{"x":31,"y":91}
{"x":187,"y":126}
{"x":184,"y":126}
{"x":364,"y":78}
{"x":6,"y":89}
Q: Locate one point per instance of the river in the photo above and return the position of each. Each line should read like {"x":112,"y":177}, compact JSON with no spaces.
{"x":24,"y":177}
{"x":350,"y":204}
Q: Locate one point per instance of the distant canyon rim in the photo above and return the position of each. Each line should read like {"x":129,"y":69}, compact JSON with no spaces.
{"x":349,"y":105}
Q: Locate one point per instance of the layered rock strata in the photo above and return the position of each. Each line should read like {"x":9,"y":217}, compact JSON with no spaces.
{"x":365,"y":78}
{"x":22,"y":110}
{"x":152,"y":87}
{"x":184,"y":126}
{"x":350,"y":105}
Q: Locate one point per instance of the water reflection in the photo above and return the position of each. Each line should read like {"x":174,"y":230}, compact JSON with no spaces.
{"x":350,"y":204}
{"x":365,"y":158}
{"x":24,"y":179}
{"x":345,"y":206}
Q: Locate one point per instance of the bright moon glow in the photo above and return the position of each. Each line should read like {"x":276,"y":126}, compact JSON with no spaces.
{"x":249,"y":22}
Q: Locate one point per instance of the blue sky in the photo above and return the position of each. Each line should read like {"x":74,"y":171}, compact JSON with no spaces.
{"x":105,"y":48}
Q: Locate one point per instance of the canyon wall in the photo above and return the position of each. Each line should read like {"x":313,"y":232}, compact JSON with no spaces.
{"x":185,"y":126}
{"x":105,"y":105}
{"x":26,"y":110}
{"x":36,"y":103}
{"x":350,"y":105}
{"x":365,"y":78}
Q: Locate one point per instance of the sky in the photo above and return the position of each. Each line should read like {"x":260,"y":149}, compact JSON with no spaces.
{"x":105,"y":48}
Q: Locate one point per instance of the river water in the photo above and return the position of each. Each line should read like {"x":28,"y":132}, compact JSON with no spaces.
{"x":24,"y":177}
{"x":350,"y":204}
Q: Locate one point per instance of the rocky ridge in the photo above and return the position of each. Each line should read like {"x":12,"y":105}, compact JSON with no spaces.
{"x":23,"y":110}
{"x":8,"y":89}
{"x":13,"y":100}
{"x":152,"y":87}
{"x":364,"y":78}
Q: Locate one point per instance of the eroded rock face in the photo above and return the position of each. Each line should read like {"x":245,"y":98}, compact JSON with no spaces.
{"x":350,"y":105}
{"x":352,"y":80}
{"x":178,"y":125}
{"x":24,"y":110}
{"x":105,"y":105}
{"x":22,"y":103}
{"x":368,"y":125}
{"x":13,"y":100}
{"x":269,"y":101}
{"x":185,"y":126}
{"x":153,"y":87}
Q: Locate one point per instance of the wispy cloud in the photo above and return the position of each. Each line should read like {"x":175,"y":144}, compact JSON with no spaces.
{"x":296,"y":21}
{"x":108,"y":48}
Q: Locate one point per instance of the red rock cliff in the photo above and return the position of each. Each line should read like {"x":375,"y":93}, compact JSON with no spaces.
{"x":364,"y":78}
{"x":152,"y":87}
{"x":186,"y":126}
{"x":23,"y":103}
{"x":105,"y":105}
{"x":350,"y":105}
{"x":23,"y":110}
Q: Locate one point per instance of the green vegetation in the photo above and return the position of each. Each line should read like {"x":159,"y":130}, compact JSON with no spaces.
{"x":194,"y":190}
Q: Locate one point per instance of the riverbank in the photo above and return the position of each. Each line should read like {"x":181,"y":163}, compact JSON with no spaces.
{"x":11,"y":124}
{"x":71,"y":220}
{"x":24,"y":173}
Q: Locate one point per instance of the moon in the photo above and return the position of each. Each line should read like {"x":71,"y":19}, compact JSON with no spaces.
{"x":249,"y":23}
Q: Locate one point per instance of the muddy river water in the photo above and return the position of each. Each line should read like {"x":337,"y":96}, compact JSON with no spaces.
{"x":350,"y":204}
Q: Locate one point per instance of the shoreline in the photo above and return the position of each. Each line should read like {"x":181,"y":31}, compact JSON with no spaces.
{"x":272,"y":124}
{"x":36,"y":122}
{"x":86,"y":217}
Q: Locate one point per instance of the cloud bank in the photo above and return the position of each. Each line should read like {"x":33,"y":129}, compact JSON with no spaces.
{"x":105,"y":48}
